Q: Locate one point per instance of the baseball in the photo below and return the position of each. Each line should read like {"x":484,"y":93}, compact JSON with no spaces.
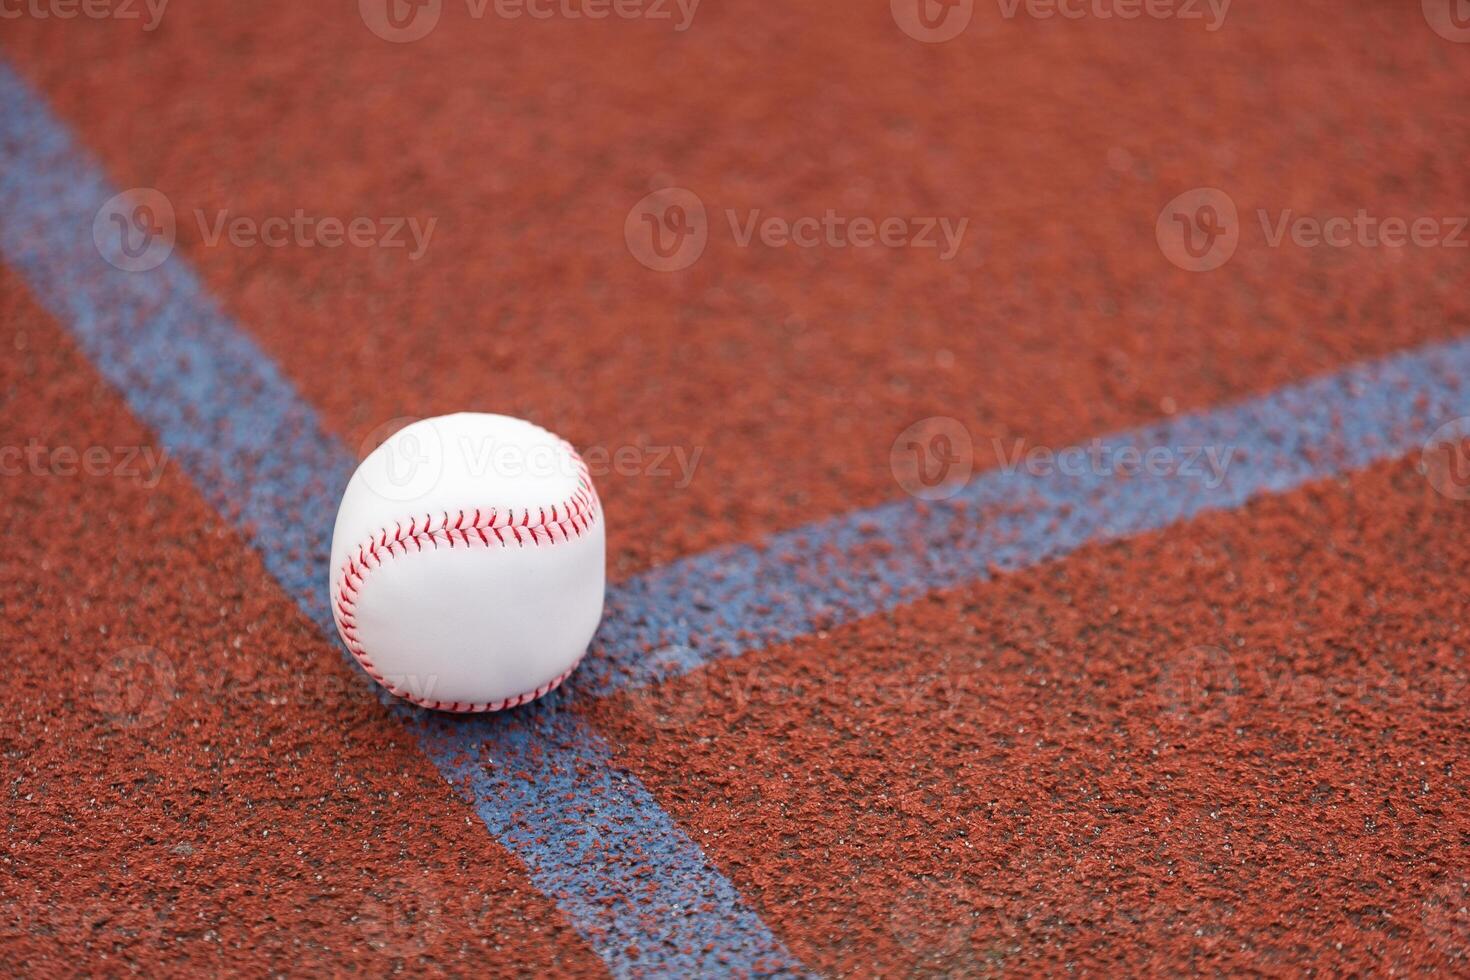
{"x":467,"y":562}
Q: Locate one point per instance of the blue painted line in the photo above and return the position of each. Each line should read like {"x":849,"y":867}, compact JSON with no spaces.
{"x":725,"y":602}
{"x":258,"y":454}
{"x":631,"y":882}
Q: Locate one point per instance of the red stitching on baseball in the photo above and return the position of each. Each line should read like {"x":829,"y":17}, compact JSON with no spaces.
{"x":579,"y":513}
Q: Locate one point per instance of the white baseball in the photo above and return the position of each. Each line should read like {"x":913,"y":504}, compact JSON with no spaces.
{"x":467,"y":562}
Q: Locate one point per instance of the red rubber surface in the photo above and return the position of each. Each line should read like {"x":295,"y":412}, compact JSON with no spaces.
{"x":791,"y":370}
{"x":1047,"y":767}
{"x":1238,"y":746}
{"x":198,"y":783}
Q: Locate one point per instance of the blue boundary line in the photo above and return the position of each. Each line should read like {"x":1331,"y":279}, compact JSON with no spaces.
{"x":727,"y":601}
{"x":245,"y":435}
{"x":594,"y":840}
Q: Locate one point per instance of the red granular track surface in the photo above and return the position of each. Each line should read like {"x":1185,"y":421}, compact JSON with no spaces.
{"x":197,"y":782}
{"x":792,"y":370}
{"x":1236,"y":746}
{"x":1231,"y":746}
